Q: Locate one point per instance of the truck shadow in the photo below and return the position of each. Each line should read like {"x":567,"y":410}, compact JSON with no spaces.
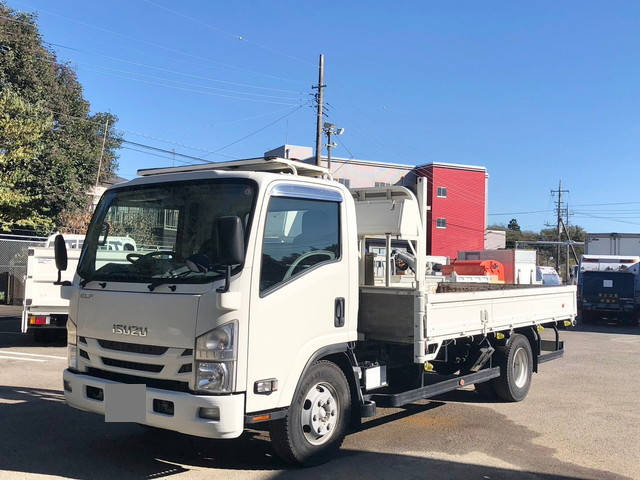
{"x":604,"y":326}
{"x":41,"y":435}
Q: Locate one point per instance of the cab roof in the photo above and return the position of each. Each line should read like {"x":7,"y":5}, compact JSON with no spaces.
{"x":261,"y":164}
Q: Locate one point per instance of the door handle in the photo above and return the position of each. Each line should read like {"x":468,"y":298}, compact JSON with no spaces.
{"x":338,"y":319}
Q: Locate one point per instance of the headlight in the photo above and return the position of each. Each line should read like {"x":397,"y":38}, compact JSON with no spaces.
{"x":214,"y":376}
{"x":72,"y":349}
{"x":215,"y":357}
{"x":218,"y":344}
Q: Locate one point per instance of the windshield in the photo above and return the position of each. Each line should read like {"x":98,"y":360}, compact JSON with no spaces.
{"x":551,"y":279}
{"x":163,"y":233}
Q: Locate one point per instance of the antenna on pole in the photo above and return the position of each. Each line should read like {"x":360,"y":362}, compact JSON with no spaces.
{"x":319,"y":106}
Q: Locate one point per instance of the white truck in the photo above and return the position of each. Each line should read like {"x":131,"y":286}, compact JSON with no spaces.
{"x":254,"y":311}
{"x":623,"y":244}
{"x":44,"y":311}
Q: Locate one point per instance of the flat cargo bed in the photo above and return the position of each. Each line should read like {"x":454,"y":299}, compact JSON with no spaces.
{"x":388,"y":313}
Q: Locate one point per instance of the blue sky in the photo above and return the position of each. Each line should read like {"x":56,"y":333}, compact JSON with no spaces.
{"x":534,"y":91}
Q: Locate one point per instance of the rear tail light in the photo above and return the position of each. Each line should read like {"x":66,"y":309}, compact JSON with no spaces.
{"x":39,"y":320}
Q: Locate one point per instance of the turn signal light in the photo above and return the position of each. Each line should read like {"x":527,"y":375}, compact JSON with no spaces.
{"x":266,"y":386}
{"x":540,"y":328}
{"x":261,"y":418}
{"x":499,"y":336}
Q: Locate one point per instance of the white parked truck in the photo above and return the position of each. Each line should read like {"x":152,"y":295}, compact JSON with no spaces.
{"x":623,"y":244}
{"x":254,"y":310}
{"x":44,"y":309}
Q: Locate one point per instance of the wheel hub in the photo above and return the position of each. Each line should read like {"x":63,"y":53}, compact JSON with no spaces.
{"x":320,"y":412}
{"x":520,"y":367}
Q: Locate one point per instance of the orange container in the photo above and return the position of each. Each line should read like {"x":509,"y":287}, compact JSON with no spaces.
{"x":476,"y":267}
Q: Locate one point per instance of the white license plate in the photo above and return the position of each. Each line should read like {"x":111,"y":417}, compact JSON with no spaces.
{"x":125,"y":403}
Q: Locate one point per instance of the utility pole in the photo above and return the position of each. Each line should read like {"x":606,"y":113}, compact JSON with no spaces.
{"x":566,"y":259}
{"x":104,"y":140}
{"x":559,"y":222}
{"x":319,"y":106}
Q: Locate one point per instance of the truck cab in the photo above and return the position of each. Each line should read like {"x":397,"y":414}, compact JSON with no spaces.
{"x":166,"y":315}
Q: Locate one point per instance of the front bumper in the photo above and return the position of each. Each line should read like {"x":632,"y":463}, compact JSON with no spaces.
{"x":609,"y":307}
{"x":185,"y":417}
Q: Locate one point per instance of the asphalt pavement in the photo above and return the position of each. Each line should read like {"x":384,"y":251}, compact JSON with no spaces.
{"x":580,"y":420}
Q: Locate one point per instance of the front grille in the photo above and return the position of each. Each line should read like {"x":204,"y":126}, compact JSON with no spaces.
{"x":132,"y":347}
{"x":185,"y":368}
{"x":132,"y":379}
{"x":145,"y":367}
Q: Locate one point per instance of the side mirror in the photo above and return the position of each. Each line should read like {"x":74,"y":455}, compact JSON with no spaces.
{"x":60,"y":250}
{"x":104,"y":233}
{"x":230,"y":245}
{"x":230,"y":241}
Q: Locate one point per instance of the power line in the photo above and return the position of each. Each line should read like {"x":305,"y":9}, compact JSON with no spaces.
{"x":522,"y":213}
{"x":192,"y":90}
{"x":258,"y":130}
{"x":231,"y":34}
{"x":178,"y":87}
{"x":153,"y":67}
{"x":180,"y":82}
{"x":154,"y":44}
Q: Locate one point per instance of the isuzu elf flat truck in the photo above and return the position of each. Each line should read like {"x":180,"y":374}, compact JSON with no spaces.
{"x":252,"y":308}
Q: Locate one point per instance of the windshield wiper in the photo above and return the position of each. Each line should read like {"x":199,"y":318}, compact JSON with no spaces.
{"x":156,"y":282}
{"x":160,"y":281}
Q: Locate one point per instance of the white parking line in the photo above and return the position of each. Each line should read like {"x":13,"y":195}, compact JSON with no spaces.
{"x":32,"y":355}
{"x":23,"y":359}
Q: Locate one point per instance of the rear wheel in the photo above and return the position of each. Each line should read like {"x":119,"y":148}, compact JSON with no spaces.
{"x":317,"y":421}
{"x":516,"y":368}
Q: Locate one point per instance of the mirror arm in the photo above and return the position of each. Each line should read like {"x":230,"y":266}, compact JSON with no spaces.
{"x":66,"y":283}
{"x":227,"y":281}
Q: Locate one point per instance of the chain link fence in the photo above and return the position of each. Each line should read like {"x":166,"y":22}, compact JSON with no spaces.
{"x":13,"y":266}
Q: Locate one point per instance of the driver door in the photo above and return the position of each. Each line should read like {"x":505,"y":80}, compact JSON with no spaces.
{"x":301,"y":272}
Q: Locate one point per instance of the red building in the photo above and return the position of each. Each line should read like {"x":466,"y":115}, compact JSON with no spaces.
{"x":457,"y":195}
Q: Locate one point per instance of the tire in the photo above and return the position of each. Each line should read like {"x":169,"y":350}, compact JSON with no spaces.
{"x":516,"y":369}
{"x":318,"y":418}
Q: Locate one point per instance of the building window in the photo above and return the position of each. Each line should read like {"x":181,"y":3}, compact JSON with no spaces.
{"x":442,"y":192}
{"x":382,"y":184}
{"x":441,"y":223}
{"x":345,"y":181}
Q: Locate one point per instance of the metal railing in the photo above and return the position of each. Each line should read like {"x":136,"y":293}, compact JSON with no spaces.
{"x":13,"y":266}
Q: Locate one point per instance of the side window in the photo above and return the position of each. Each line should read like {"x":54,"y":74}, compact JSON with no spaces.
{"x":299,"y":234}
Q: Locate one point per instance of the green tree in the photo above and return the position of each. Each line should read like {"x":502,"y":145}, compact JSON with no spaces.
{"x":50,"y":143}
{"x":22,"y":128}
{"x":513,"y":225}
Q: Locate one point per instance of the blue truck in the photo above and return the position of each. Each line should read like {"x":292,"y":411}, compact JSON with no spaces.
{"x":608,"y":294}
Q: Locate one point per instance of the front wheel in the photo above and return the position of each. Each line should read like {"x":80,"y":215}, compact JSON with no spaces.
{"x":516,"y":368}
{"x":318,"y":418}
